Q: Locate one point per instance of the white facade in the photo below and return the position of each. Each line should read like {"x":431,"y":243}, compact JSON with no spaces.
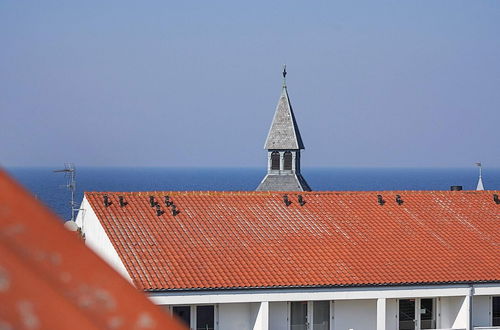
{"x":355,"y":309}
{"x":97,"y":240}
{"x":361,"y":308}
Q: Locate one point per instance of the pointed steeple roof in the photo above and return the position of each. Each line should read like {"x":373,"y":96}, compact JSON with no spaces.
{"x":284,"y":132}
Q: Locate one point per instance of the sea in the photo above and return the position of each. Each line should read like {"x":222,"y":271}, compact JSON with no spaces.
{"x":50,"y":187}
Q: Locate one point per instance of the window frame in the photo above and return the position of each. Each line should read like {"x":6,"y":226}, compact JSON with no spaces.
{"x":194,"y":316}
{"x":418,"y":315}
{"x":310,"y":313}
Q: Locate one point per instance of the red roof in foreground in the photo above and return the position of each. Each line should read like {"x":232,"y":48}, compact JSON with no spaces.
{"x":50,"y":280}
{"x":253,"y":240}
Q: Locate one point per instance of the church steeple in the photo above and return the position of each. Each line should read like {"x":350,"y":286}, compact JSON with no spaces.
{"x":283,"y":144}
{"x":284,"y":132}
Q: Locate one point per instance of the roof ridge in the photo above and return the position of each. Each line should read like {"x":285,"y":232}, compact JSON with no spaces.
{"x":251,"y":192}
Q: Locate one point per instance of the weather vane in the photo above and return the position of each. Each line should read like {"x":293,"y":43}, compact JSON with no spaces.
{"x":284,"y":75}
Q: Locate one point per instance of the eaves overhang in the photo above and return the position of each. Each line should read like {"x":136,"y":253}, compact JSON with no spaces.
{"x":374,"y":285}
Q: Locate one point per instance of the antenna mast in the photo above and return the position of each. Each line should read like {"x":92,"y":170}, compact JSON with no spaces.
{"x":480,"y":185}
{"x":70,"y":174}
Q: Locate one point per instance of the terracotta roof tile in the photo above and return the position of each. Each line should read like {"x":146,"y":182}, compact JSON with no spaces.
{"x":50,"y":280}
{"x":253,"y":240}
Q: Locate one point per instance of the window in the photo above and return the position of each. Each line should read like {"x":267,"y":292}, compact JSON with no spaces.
{"x":298,"y":315}
{"x":287,"y":161}
{"x":407,"y":314}
{"x":183,"y":313}
{"x":427,"y":314}
{"x":495,"y":312}
{"x":275,"y":160}
{"x":196,"y":317}
{"x":304,"y":313}
{"x":419,"y":313}
{"x":321,"y":315}
{"x":205,"y":319}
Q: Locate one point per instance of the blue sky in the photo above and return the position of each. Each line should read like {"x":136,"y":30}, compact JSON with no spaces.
{"x":159,"y":83}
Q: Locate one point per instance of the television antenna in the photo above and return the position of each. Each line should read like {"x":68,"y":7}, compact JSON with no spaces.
{"x":70,"y":174}
{"x":480,"y":185}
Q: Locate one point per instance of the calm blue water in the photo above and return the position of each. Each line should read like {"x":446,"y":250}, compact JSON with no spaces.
{"x":46,"y":185}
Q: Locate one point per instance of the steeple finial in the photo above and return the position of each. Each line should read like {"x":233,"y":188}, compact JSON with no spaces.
{"x":480,"y":185}
{"x":284,"y":75}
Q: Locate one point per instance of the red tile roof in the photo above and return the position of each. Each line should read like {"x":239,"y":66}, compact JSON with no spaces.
{"x":50,"y":280}
{"x":253,"y":240}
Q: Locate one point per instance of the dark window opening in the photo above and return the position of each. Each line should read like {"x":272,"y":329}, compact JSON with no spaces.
{"x":407,"y":314}
{"x":205,"y":318}
{"x":275,"y":160}
{"x":298,"y":314}
{"x":183,"y":313}
{"x":287,"y":161}
{"x":321,"y":315}
{"x":427,"y":314}
{"x":496,"y":311}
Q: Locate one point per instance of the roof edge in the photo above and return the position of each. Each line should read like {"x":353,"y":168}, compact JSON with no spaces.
{"x":371,"y":285}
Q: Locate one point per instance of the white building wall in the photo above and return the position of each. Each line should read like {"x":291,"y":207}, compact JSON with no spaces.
{"x":260,"y":315}
{"x":450,"y":308}
{"x":235,"y":316}
{"x":462,"y":320}
{"x":392,"y":314}
{"x":481,"y":309}
{"x":352,"y":314}
{"x":278,"y":315}
{"x":97,"y":240}
{"x":355,"y":314}
{"x":254,"y":312}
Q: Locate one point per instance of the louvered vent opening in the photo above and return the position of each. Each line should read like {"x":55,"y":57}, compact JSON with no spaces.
{"x":275,"y":160}
{"x":288,"y":161}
